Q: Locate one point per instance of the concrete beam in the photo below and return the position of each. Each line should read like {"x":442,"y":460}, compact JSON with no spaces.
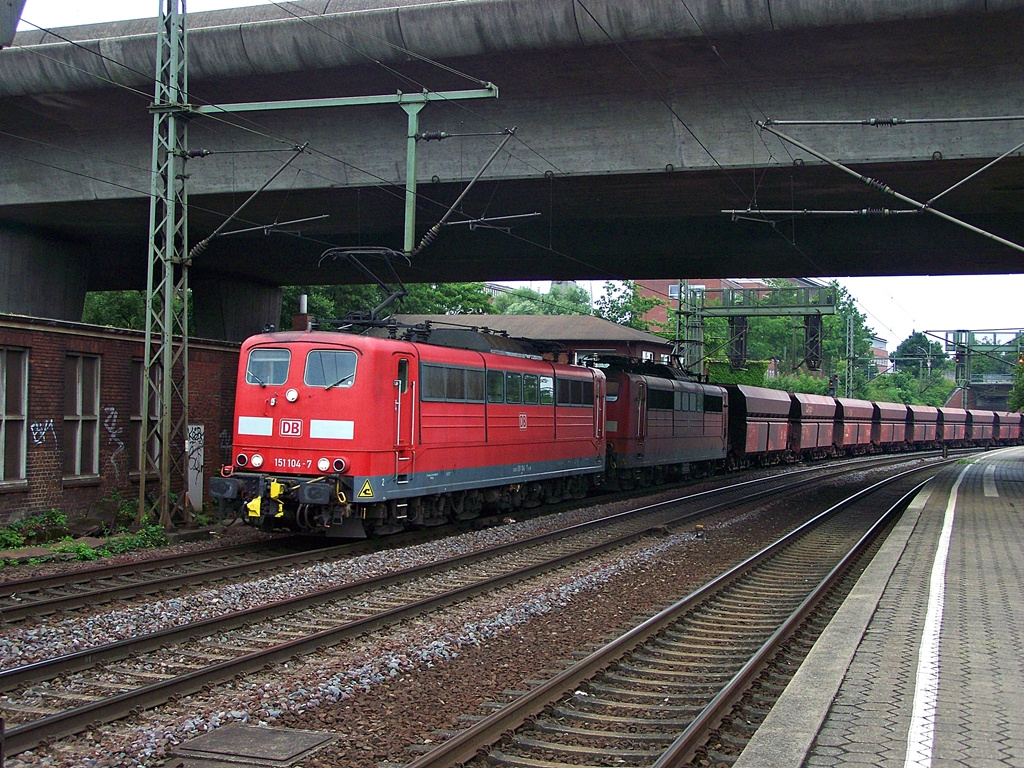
{"x":345,"y":33}
{"x":42,"y":275}
{"x":233,"y":310}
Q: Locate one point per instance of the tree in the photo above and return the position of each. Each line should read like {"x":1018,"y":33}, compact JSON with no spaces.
{"x":118,"y":309}
{"x":622,"y":303}
{"x":123,"y":309}
{"x":562,"y":299}
{"x":331,"y":302}
{"x":917,"y":352}
{"x":1015,"y":401}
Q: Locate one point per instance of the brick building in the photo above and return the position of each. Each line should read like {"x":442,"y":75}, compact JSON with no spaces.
{"x":70,"y":412}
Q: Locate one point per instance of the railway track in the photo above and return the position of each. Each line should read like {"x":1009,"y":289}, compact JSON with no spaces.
{"x":64,"y":695}
{"x":34,"y":598}
{"x":655,"y":695}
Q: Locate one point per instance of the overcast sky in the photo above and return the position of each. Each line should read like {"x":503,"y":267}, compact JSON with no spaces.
{"x":895,"y":306}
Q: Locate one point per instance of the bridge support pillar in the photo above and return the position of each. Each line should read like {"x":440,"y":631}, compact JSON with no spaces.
{"x":232,"y":309}
{"x":42,"y":275}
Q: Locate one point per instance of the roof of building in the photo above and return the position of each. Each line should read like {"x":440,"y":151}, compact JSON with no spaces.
{"x":561,"y":328}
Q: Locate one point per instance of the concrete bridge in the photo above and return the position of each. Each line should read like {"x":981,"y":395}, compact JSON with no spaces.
{"x":635,"y":129}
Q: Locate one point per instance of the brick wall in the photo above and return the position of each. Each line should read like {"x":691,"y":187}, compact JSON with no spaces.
{"x":212,"y":368}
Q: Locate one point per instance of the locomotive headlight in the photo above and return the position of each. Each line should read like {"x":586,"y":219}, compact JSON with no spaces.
{"x":339,"y":465}
{"x":323,"y":464}
{"x":241,"y":459}
{"x":291,"y":395}
{"x":257,"y":460}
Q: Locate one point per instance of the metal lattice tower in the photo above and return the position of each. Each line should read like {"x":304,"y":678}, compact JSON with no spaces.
{"x":851,"y":354}
{"x":165,"y":366}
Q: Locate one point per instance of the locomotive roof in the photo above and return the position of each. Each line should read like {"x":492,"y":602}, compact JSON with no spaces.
{"x":560,"y":328}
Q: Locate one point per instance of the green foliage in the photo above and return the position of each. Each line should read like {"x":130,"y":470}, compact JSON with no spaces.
{"x":905,"y":387}
{"x":753,"y":375}
{"x":11,"y":539}
{"x":560,"y":300}
{"x":35,"y":528}
{"x":79,"y":549}
{"x":622,"y":303}
{"x":1015,"y":401}
{"x":146,"y":538}
{"x":123,"y":309}
{"x":126,"y":510}
{"x":799,"y":382}
{"x":918,"y":354}
{"x":331,"y":302}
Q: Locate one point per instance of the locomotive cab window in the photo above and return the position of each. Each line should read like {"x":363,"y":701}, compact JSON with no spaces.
{"x":712,"y":403}
{"x":267,"y":367}
{"x":329,"y":368}
{"x":612,"y":393}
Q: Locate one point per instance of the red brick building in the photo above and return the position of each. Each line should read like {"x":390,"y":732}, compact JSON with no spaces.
{"x":70,"y":412}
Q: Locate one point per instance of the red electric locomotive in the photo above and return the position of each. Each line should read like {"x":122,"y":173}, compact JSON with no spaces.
{"x":355,"y":435}
{"x":661,"y":426}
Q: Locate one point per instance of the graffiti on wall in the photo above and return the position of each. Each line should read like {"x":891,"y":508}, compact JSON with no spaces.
{"x":110,"y":424}
{"x":39,"y":429}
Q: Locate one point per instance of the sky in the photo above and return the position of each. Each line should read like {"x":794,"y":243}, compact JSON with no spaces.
{"x":895,"y":306}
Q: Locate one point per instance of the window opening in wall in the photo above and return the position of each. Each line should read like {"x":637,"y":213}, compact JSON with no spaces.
{"x":81,"y":415}
{"x":135,"y":418}
{"x":13,"y":410}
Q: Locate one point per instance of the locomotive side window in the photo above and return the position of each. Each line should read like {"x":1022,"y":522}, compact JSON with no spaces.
{"x":612,"y":393}
{"x":452,"y":385}
{"x":712,"y":403}
{"x":432,"y":379}
{"x":329,"y":368}
{"x":575,"y":392}
{"x":267,"y":367}
{"x":660,"y":400}
{"x":495,"y":387}
{"x":513,"y":387}
{"x":455,"y":384}
{"x":531,"y":389}
{"x":547,"y":390}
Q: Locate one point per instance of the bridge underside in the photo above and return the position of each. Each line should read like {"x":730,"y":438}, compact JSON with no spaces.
{"x":628,"y":153}
{"x":665,"y":224}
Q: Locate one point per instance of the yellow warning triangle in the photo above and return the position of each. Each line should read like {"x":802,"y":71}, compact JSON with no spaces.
{"x":366,"y":492}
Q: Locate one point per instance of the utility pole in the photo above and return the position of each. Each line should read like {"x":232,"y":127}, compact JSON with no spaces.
{"x":162,"y":449}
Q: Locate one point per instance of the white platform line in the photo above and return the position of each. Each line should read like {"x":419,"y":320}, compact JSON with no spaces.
{"x":921,"y":737}
{"x":989,"y":480}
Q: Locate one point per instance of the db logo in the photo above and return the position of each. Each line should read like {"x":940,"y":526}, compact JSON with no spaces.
{"x":522,"y":421}
{"x":291,"y":427}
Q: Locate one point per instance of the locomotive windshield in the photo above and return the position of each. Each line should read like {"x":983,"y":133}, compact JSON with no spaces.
{"x":267,"y":367}
{"x":329,"y":368}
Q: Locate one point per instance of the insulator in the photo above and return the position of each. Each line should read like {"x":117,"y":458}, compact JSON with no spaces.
{"x":198,"y":152}
{"x":877,"y":121}
{"x":433,"y":135}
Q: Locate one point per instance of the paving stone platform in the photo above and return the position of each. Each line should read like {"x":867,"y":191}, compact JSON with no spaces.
{"x":922,"y":666}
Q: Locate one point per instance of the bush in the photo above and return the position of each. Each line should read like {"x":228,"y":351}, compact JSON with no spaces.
{"x":146,"y":538}
{"x":35,"y":528}
{"x":79,"y":549}
{"x":10,"y":539}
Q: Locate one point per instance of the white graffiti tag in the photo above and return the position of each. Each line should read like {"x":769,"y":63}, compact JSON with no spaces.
{"x":39,"y":430}
{"x":110,"y":424}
